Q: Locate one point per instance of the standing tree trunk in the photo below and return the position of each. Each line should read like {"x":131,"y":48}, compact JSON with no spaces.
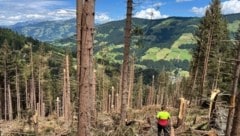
{"x":120,"y":90}
{"x":39,"y":107}
{"x":1,"y":98}
{"x":236,"y":122}
{"x":236,"y":119}
{"x":85,"y":71}
{"x":26,"y":93}
{"x":64,"y":95}
{"x":18,"y":95}
{"x":10,"y":110}
{"x":206,"y":59}
{"x":140,"y":94}
{"x":131,"y":82}
{"x":32,"y":89}
{"x":5,"y":91}
{"x":67,"y":92}
{"x":127,"y":39}
{"x":79,"y":7}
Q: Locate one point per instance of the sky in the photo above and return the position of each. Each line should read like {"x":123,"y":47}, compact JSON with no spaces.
{"x":14,"y":11}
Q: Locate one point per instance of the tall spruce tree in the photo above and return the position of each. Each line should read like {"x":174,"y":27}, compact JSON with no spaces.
{"x":211,"y":51}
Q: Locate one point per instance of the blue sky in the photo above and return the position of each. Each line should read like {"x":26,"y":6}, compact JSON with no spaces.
{"x":13,"y":11}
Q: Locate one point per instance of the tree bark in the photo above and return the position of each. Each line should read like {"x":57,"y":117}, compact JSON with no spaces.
{"x":32,"y":90}
{"x":10,"y":109}
{"x":140,"y":94}
{"x":236,"y":119}
{"x":131,"y":82}
{"x":18,"y":95}
{"x":68,"y":92}
{"x":86,"y":48}
{"x":64,"y":95}
{"x":206,"y":59}
{"x":233,"y":101}
{"x":5,"y":91}
{"x":127,"y":39}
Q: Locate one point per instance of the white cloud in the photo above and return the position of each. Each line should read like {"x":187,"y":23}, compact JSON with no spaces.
{"x":102,"y":18}
{"x":183,"y":0}
{"x":228,"y":7}
{"x":200,"y":11}
{"x":231,"y":6}
{"x":158,"y":4}
{"x":150,"y":13}
{"x":13,"y":11}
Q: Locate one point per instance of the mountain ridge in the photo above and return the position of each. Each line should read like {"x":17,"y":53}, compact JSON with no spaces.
{"x":157,"y":44}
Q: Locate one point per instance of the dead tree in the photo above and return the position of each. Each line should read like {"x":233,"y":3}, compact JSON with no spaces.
{"x":233,"y":95}
{"x":182,"y":111}
{"x":10,"y":109}
{"x":131,"y":82}
{"x":18,"y":94}
{"x":127,"y":38}
{"x":32,"y":89}
{"x":206,"y":59}
{"x":85,"y":58}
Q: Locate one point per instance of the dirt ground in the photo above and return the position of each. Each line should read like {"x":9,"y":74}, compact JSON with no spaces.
{"x":140,"y":123}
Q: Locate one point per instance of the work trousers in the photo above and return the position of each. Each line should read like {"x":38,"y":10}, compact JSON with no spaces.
{"x":165,"y":130}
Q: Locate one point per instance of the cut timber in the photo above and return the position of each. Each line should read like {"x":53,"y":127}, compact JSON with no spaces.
{"x":205,"y":133}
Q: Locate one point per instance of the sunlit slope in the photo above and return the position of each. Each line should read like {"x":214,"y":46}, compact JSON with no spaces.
{"x":175,"y":52}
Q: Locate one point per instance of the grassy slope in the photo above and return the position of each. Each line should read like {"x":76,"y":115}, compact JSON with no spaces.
{"x":162,"y":40}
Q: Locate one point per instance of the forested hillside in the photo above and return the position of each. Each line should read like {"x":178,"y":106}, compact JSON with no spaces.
{"x":28,"y":64}
{"x":157,"y":44}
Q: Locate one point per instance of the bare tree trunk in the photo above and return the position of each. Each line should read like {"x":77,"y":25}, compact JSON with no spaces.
{"x":104,"y":93}
{"x":218,"y":72}
{"x":58,"y":107}
{"x":109,"y":103}
{"x":120,"y":89}
{"x":86,"y":68}
{"x":68,"y":92}
{"x":236,"y":119}
{"x":64,"y":95}
{"x":116,"y":101}
{"x":26,"y":93}
{"x":153,"y":92}
{"x":39,"y":92}
{"x":79,"y":7}
{"x":5,"y":92}
{"x":205,"y":67}
{"x":140,"y":96}
{"x":93,"y":99}
{"x":32,"y":90}
{"x":1,"y":98}
{"x":18,"y":95}
{"x":233,"y":99}
{"x":131,"y":82}
{"x":127,"y":39}
{"x":182,"y":111}
{"x":112,"y":100}
{"x":149,"y":98}
{"x":43,"y":112}
{"x":10,"y":110}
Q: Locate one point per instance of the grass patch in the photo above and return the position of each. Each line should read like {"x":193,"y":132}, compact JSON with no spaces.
{"x":233,"y":27}
{"x":186,"y":38}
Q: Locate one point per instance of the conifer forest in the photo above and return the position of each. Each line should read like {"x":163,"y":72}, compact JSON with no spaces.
{"x":103,"y":81}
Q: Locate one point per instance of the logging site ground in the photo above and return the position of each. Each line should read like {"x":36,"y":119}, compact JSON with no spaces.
{"x":107,"y":124}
